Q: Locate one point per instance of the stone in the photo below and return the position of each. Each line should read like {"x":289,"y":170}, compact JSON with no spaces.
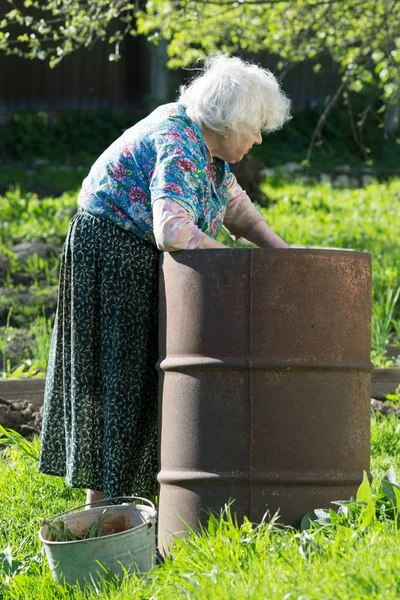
{"x":325,"y":178}
{"x":367,"y":180}
{"x":342,"y":181}
{"x":291,"y":167}
{"x":383,"y":408}
{"x":21,"y":417}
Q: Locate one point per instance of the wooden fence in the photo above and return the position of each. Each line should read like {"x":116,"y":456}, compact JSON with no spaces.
{"x":86,"y":79}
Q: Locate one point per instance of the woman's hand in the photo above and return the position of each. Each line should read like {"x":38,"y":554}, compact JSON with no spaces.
{"x":208,"y":242}
{"x":263,"y":236}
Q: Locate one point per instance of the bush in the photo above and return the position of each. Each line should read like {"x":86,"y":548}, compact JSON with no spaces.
{"x":337,"y":144}
{"x":74,"y":135}
{"x":65,"y":135}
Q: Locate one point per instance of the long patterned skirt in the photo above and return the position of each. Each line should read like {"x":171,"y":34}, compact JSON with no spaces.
{"x":100,"y":410}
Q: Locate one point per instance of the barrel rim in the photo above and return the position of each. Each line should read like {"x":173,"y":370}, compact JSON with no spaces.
{"x":323,"y":250}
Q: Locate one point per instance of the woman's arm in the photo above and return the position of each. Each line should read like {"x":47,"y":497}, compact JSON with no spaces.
{"x":263,"y":236}
{"x":242,"y":219}
{"x":174,"y":228}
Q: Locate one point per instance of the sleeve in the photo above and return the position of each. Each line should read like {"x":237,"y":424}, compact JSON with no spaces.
{"x":241,"y":214}
{"x":174,"y":227}
{"x":179,"y":168}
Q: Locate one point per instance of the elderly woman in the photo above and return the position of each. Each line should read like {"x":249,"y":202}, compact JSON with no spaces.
{"x":164,"y":185}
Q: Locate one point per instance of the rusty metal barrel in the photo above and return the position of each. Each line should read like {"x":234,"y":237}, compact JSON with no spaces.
{"x":264,"y":382}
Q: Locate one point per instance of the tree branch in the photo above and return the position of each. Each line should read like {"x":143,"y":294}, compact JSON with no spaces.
{"x":322,"y":119}
{"x":261,"y":2}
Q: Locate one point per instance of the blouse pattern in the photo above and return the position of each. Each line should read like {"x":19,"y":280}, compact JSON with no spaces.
{"x":162,"y":156}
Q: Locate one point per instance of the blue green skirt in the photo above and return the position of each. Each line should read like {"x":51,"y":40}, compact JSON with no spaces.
{"x":100,"y":409}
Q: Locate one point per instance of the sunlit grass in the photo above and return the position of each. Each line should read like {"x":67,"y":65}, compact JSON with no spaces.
{"x":227,"y":560}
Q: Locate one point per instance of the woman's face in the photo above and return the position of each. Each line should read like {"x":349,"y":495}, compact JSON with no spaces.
{"x":233,"y":147}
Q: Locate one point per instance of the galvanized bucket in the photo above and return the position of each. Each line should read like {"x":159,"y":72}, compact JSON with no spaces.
{"x":127,"y":543}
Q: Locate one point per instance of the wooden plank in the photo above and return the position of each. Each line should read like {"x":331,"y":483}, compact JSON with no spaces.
{"x":384,"y":381}
{"x":23,"y":389}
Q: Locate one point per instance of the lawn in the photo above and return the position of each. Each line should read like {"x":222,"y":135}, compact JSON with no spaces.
{"x":356,"y":556}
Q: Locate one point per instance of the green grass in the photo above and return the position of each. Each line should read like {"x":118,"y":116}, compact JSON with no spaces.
{"x":227,"y":560}
{"x":26,"y":217}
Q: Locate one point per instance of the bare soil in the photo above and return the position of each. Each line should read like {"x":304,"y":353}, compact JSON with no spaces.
{"x":21,"y":416}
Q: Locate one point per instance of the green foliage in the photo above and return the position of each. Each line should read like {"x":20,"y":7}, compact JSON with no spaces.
{"x":57,"y":28}
{"x":25,"y":217}
{"x":343,"y":142}
{"x":228,"y":559}
{"x":60,"y":532}
{"x":28,"y":305}
{"x":385,"y":437}
{"x":393,"y":399}
{"x":4,"y":338}
{"x":361,"y":37}
{"x":67,"y":134}
{"x":78,"y":137}
{"x":360,"y":512}
{"x":41,"y":331}
{"x":31,"y":360}
{"x":383,"y":321}
{"x":311,"y":215}
{"x":28,"y":369}
{"x":28,"y":449}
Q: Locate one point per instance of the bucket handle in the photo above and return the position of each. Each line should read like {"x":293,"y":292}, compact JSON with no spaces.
{"x":66,"y":512}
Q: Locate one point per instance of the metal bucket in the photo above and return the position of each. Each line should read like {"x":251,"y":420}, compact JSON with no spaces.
{"x":127,"y":546}
{"x":265,"y":382}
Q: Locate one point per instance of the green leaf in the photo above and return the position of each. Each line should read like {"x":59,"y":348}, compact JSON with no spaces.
{"x":9,"y":565}
{"x":390,"y":487}
{"x":367,"y":514}
{"x":320,"y":516}
{"x":348,"y":503}
{"x":364,"y":491}
{"x":246,"y":526}
{"x":9,"y":437}
{"x":390,"y":476}
{"x":323,"y":516}
{"x":307,"y":520}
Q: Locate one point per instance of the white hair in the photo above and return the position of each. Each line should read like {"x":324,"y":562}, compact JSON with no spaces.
{"x":235,"y":96}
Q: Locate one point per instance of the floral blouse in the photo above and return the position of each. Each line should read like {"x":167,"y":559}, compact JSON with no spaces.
{"x":162,"y":156}
{"x":174,"y":227}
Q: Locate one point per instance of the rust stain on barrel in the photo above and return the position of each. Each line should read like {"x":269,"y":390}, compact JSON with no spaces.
{"x":264,"y":381}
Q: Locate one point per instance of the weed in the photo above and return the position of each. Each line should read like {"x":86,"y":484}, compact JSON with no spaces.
{"x":60,"y":532}
{"x":41,"y":331}
{"x":4,"y":338}
{"x":383,"y":310}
